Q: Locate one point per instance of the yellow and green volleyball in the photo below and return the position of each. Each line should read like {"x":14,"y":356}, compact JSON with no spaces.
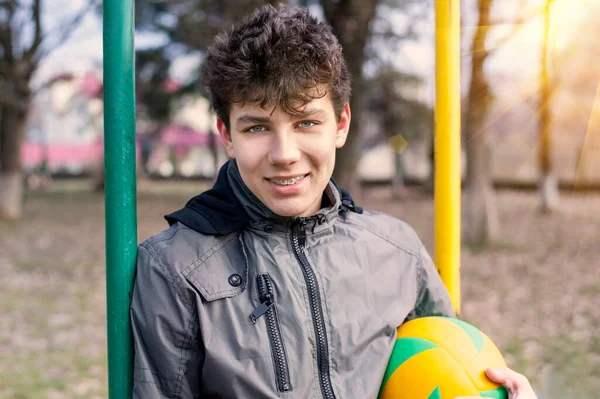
{"x":441,"y":358}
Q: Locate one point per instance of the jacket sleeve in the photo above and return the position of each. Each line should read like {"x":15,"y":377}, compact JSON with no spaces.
{"x":167,"y":345}
{"x":432,"y":296}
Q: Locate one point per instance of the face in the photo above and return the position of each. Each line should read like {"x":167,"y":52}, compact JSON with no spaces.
{"x":286,"y":160}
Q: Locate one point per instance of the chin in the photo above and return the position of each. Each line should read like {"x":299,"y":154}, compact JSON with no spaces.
{"x":291,"y":210}
{"x":287,"y":212}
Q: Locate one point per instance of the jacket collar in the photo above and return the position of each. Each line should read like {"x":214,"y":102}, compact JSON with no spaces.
{"x":230,"y":206}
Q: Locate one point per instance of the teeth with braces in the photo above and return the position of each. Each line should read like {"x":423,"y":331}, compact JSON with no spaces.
{"x":288,"y":182}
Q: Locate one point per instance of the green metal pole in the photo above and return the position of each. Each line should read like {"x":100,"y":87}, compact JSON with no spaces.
{"x":120,"y":190}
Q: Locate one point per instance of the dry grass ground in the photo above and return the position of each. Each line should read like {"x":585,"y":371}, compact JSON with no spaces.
{"x":536,"y":292}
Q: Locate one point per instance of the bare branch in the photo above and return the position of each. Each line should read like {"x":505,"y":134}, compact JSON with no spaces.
{"x":389,"y":32}
{"x":516,"y":27}
{"x":62,"y":77}
{"x":37,"y":38}
{"x":502,"y":41}
{"x":68,"y":29}
{"x":6,"y":33}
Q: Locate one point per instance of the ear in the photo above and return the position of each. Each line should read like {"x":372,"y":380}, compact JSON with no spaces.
{"x":225,"y":137}
{"x":343,"y":126}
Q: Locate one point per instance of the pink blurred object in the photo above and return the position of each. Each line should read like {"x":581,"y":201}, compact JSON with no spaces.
{"x":87,"y":155}
{"x":183,"y":136}
{"x":171,"y":86}
{"x":91,"y":86}
{"x":32,"y":154}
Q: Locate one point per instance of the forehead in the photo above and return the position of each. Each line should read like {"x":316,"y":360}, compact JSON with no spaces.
{"x":322,"y":104}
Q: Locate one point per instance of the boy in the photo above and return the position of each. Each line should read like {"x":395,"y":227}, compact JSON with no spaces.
{"x":274,"y":283}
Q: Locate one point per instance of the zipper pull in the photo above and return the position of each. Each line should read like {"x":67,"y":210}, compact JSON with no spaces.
{"x":265,"y":295}
{"x":260,"y":310}
{"x":302,"y":233}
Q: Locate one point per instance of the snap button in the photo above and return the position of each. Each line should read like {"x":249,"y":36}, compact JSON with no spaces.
{"x":269,"y":228}
{"x":235,"y":280}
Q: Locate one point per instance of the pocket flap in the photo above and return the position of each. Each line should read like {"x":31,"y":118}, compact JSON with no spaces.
{"x":222,"y":272}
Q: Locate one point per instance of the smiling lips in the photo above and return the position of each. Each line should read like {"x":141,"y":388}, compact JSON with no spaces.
{"x":287,"y":182}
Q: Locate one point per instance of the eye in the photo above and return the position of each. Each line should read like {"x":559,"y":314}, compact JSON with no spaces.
{"x":256,"y":129}
{"x":306,"y":124}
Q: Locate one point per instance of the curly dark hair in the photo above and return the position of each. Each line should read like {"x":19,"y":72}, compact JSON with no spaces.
{"x":278,"y":56}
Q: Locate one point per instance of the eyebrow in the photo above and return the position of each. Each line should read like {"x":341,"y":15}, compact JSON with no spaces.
{"x":244,"y":119}
{"x":311,"y":112}
{"x":252,"y":119}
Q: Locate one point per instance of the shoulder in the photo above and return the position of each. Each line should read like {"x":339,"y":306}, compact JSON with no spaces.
{"x":184,"y":256}
{"x":181,"y":246}
{"x":388,"y":228}
{"x":178,"y":250}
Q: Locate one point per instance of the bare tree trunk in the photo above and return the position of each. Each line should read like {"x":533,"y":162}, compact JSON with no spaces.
{"x":12,"y":128}
{"x":347,"y":157}
{"x":479,"y":211}
{"x":350,"y":21}
{"x":98,"y":177}
{"x":429,"y":184}
{"x":18,"y":67}
{"x":214,"y":151}
{"x":398,"y":181}
{"x":548,"y":183}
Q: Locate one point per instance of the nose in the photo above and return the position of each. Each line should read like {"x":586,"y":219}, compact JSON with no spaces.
{"x":284,"y":149}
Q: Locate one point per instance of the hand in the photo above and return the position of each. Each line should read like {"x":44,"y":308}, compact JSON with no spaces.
{"x":518,"y":386}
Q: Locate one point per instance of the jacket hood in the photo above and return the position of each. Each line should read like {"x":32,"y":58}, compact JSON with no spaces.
{"x":230,"y":205}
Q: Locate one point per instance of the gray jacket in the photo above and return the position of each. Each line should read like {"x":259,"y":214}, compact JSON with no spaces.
{"x":280,"y":308}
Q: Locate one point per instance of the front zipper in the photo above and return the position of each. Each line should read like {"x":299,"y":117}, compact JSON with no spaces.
{"x":267,"y":307}
{"x":298,"y":243}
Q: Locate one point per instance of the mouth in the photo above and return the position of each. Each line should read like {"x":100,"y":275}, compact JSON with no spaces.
{"x":288,"y":182}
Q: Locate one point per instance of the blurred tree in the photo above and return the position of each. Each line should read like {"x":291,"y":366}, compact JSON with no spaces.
{"x":402,"y":118}
{"x":548,"y":182}
{"x":574,"y":88}
{"x":577,"y":73}
{"x":480,"y":217}
{"x":24,"y":42}
{"x":154,"y":99}
{"x":353,"y":23}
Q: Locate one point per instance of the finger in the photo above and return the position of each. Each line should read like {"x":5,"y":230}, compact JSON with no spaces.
{"x":505,"y":376}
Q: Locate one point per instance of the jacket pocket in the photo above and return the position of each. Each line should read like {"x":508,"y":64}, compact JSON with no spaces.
{"x":268,"y":309}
